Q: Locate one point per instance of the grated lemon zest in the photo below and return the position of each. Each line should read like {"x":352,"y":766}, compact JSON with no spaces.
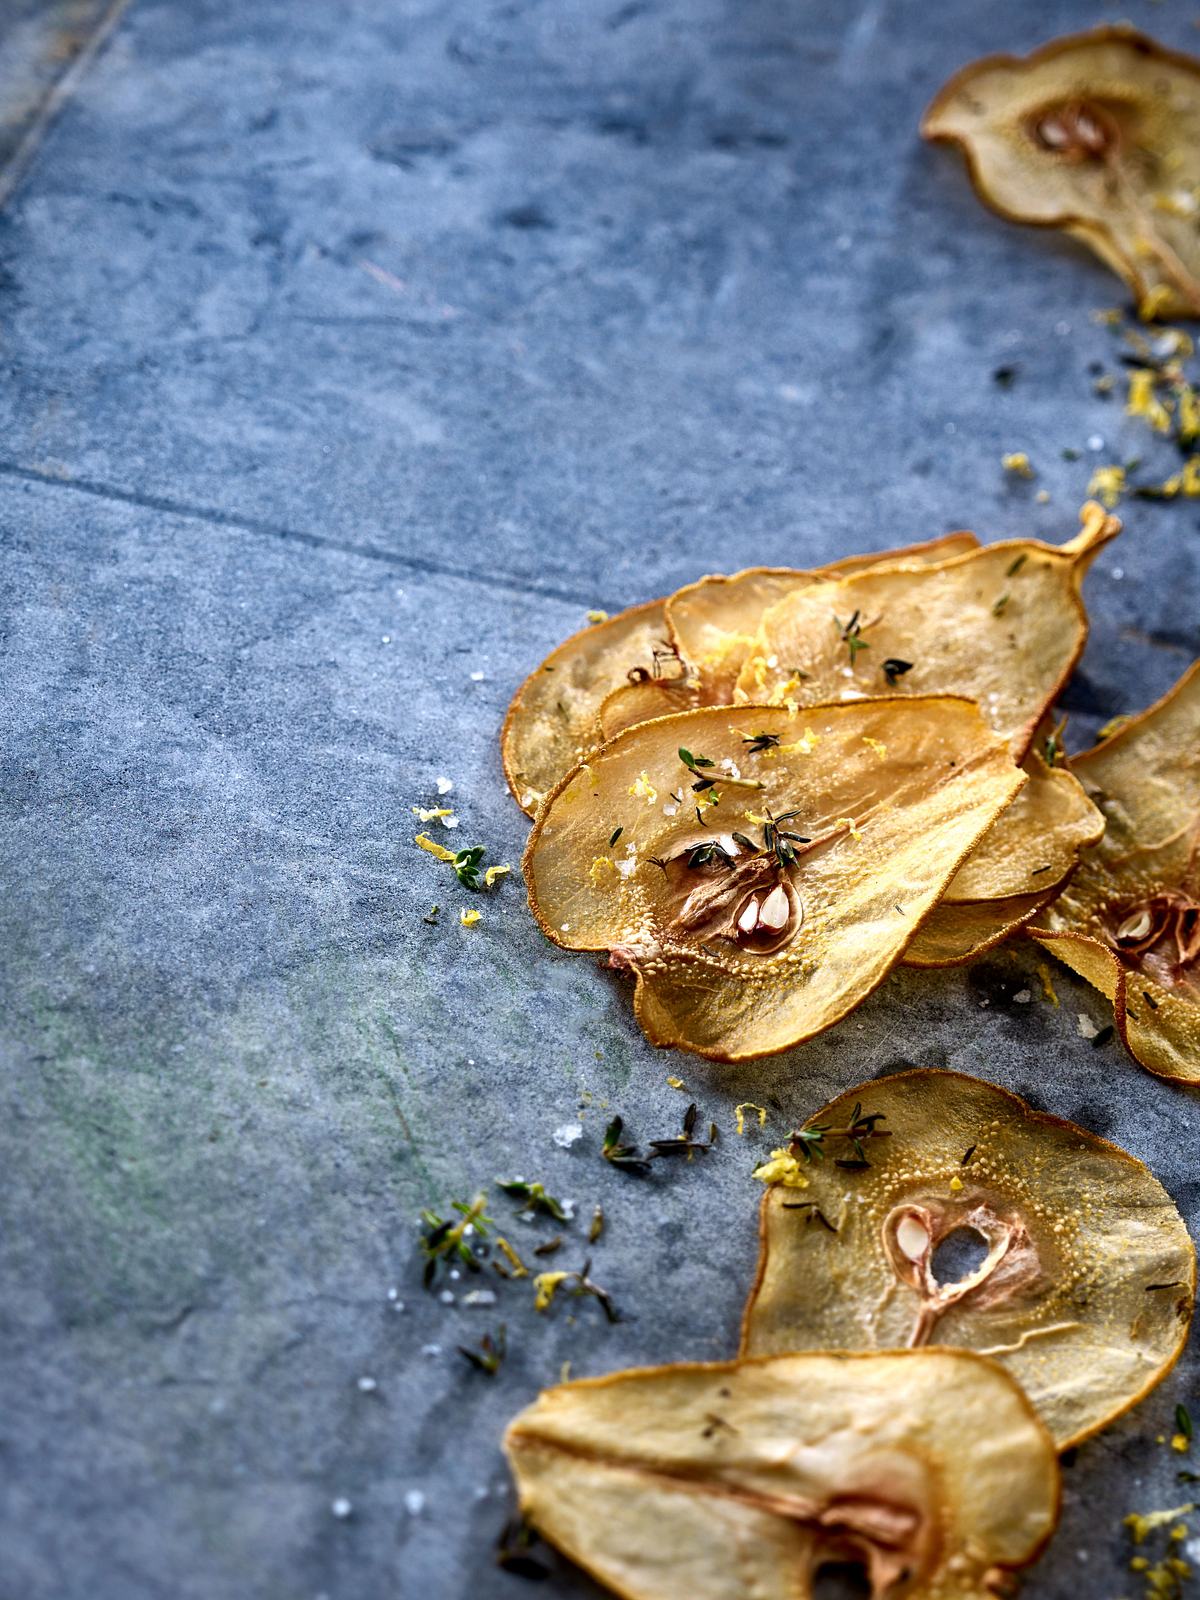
{"x":1140,"y":1524}
{"x":469,"y":918}
{"x":1143,"y":402}
{"x":955,"y":1185}
{"x":643,"y":789}
{"x":600,"y":869}
{"x":849,"y":822}
{"x":492,"y":873}
{"x":519,"y":1269}
{"x":434,"y":848}
{"x":1047,"y":986}
{"x":1156,"y":300}
{"x":1189,"y":413}
{"x":1018,"y":463}
{"x":675,"y":1083}
{"x":879,"y":748}
{"x":545,"y":1287}
{"x":782,"y":1168}
{"x":1108,"y":485}
{"x":740,"y":1113}
{"x":805,"y":745}
{"x":597,"y":616}
{"x":430,"y":813}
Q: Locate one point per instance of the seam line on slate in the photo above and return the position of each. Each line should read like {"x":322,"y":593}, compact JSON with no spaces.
{"x":271,"y":530}
{"x":56,"y":97}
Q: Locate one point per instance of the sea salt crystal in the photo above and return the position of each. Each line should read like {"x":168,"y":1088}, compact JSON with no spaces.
{"x":414,"y":1502}
{"x":1023,"y":997}
{"x":568,"y":1134}
{"x":1087,"y":1028}
{"x":444,"y":785}
{"x":479,"y":1297}
{"x":341,"y":1508}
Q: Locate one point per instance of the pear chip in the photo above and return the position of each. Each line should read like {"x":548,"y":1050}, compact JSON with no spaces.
{"x":551,"y":723}
{"x":1087,"y":1280}
{"x":718,"y":1481}
{"x":1129,"y":920}
{"x":1003,"y":625}
{"x":1096,"y":133}
{"x":762,"y":894}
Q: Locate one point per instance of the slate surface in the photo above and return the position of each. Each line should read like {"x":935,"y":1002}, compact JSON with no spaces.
{"x":351,"y":352}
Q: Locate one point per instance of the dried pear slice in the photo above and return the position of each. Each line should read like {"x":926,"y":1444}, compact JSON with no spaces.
{"x":956,"y":932}
{"x":1033,"y":845}
{"x":1129,"y":920}
{"x":1098,"y":134}
{"x":713,"y":623}
{"x":1003,"y":625}
{"x":720,"y":1480}
{"x":1086,"y":1290}
{"x":551,"y":723}
{"x":758,"y":918}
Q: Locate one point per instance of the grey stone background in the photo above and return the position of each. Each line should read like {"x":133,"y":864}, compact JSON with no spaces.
{"x":350,"y":353}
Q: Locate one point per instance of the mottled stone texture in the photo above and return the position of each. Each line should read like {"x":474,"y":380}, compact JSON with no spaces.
{"x":351,"y":352}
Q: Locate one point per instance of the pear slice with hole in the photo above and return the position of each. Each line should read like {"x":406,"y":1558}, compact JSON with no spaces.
{"x":1129,"y":919}
{"x":716,"y":1481}
{"x":879,"y":801}
{"x":1087,"y":1282}
{"x":1003,"y":625}
{"x":1096,"y":133}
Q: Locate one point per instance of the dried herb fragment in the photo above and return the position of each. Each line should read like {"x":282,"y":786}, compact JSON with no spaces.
{"x":549,"y":1246}
{"x":622,"y":1155}
{"x":489,"y":1358}
{"x":596,"y":1226}
{"x":756,"y":743}
{"x":467,"y":864}
{"x":514,"y":1551}
{"x":444,"y":1238}
{"x":534,"y":1197}
{"x":685,"y":1143}
{"x":894,"y":668}
{"x":579,"y":1282}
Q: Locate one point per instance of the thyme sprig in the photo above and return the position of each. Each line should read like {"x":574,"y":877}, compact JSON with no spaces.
{"x":534,"y":1198}
{"x":684,"y":1143}
{"x":467,"y":865}
{"x":778,"y":841}
{"x":489,"y":1358}
{"x":850,"y":634}
{"x":704,"y":780}
{"x":703,"y":855}
{"x":445,"y":1239}
{"x":576,"y":1283}
{"x":812,"y":1143}
{"x":629,"y":1157}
